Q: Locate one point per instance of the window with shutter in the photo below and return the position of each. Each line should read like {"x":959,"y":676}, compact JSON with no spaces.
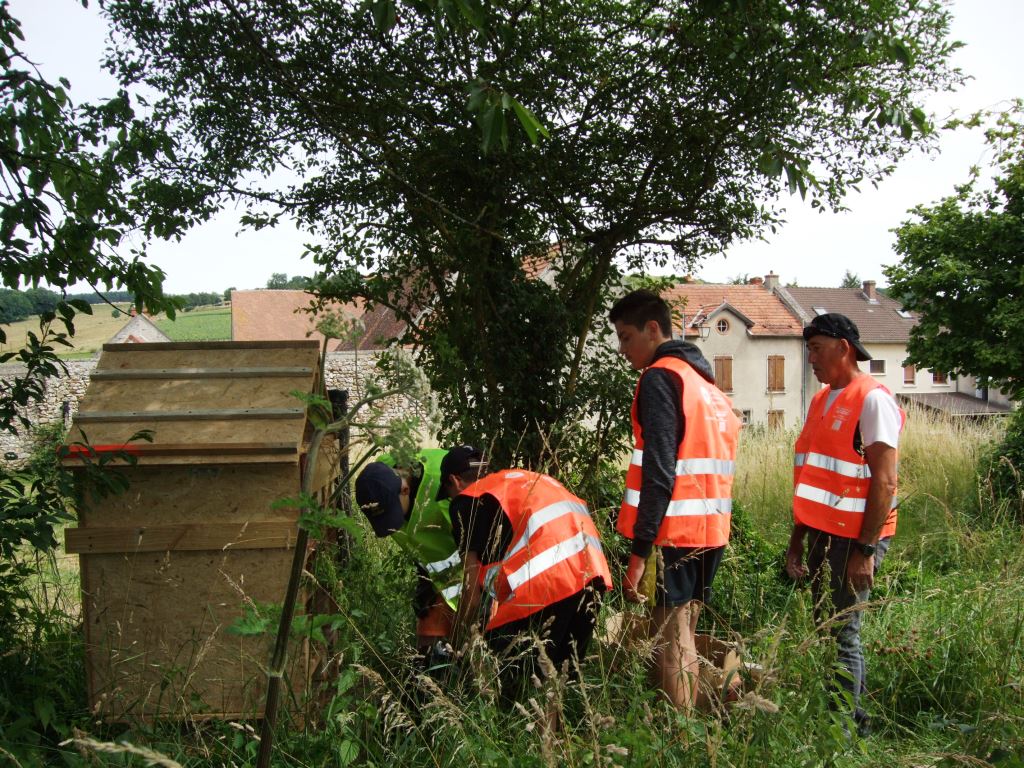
{"x":723,"y":373}
{"x":776,"y":373}
{"x":776,"y":419}
{"x":909,"y":374}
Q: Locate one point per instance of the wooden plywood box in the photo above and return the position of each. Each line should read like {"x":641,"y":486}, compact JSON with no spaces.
{"x":169,"y":565}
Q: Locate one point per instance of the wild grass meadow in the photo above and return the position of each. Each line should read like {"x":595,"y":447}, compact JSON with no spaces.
{"x":943,"y":633}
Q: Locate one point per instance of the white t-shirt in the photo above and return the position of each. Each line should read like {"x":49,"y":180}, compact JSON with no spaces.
{"x":879,"y":418}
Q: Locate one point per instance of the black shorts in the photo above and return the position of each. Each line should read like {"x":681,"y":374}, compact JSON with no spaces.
{"x":685,"y":574}
{"x":565,"y":627}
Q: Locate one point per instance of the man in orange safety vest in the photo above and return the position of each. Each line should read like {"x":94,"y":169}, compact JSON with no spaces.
{"x":844,"y":489}
{"x":678,"y":485}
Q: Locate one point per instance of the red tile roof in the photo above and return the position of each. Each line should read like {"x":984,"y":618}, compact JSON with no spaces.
{"x":878,"y":322}
{"x":380,"y":326}
{"x":770,"y":317}
{"x":271,"y":315}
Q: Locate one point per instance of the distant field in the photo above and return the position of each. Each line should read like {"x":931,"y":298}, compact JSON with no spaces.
{"x":91,"y":332}
{"x":204,"y":324}
{"x":95,"y":330}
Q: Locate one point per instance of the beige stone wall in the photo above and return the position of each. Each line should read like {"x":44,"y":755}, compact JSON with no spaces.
{"x":67,"y":389}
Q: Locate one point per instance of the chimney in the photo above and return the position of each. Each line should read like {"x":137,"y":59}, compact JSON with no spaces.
{"x":756,"y":281}
{"x":771,"y":281}
{"x":869,"y":290}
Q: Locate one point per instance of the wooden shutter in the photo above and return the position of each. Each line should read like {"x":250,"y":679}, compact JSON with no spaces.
{"x":723,"y":373}
{"x":909,"y":373}
{"x":776,"y":373}
{"x":776,"y":419}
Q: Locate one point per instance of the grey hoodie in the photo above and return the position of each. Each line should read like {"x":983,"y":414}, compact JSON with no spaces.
{"x":662,"y":426}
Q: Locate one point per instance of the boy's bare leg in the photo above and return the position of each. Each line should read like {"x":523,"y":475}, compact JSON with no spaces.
{"x":676,"y":664}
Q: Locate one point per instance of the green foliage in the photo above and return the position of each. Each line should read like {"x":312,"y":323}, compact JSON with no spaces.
{"x":76,"y":184}
{"x":1005,"y":464}
{"x":628,"y":133}
{"x":14,"y":306}
{"x":964,"y":258}
{"x":850,"y":280}
{"x":280,"y":281}
{"x":189,"y":301}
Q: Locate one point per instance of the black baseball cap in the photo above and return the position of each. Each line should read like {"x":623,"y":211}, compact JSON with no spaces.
{"x":837,"y":327}
{"x":461,"y":458}
{"x":378,"y":492}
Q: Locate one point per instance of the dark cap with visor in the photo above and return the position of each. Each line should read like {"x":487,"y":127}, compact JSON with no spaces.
{"x":459,"y":460}
{"x":378,"y":494}
{"x":837,"y":326}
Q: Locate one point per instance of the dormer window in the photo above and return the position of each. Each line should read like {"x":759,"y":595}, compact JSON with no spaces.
{"x":722,"y":326}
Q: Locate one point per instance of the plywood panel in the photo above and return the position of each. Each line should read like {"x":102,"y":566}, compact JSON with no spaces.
{"x":196,"y":432}
{"x":195,"y":494}
{"x":182,"y":394}
{"x":225,"y":356}
{"x":180,"y":538}
{"x":328,"y":463}
{"x":157,"y":632}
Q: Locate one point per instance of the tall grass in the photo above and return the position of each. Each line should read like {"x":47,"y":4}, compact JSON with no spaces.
{"x":944,"y":635}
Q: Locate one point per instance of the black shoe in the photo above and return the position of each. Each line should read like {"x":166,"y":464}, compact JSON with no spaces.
{"x":863,"y":721}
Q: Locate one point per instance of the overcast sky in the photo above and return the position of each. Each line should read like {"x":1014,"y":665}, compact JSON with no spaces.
{"x":812,"y":248}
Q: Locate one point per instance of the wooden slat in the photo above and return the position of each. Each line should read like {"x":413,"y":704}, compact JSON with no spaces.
{"x":199,"y":373}
{"x":171,"y":346}
{"x":186,"y":449}
{"x":210,"y":414}
{"x":181,"y":538}
{"x":173,"y":394}
{"x":193,"y":432}
{"x":158,"y":356}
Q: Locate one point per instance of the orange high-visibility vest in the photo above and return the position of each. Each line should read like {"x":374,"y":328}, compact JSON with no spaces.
{"x":555,"y":550}
{"x":700,"y":510}
{"x":830,"y":478}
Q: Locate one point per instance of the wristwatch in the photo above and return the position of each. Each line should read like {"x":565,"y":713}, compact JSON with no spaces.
{"x":868,"y":550}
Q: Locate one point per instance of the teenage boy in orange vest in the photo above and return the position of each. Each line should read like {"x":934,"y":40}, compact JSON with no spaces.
{"x":679,"y":483}
{"x":532,"y":555}
{"x":844,"y":487}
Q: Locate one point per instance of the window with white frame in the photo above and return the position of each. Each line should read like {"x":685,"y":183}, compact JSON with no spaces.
{"x":876,"y":367}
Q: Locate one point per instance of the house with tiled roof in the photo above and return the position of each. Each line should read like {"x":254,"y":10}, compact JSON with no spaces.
{"x":755,"y":343}
{"x":885,"y":330}
{"x":276,"y":315}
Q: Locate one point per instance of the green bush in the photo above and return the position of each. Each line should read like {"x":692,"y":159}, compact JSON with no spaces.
{"x":1003,"y":466}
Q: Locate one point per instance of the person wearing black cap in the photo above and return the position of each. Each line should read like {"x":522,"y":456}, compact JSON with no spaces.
{"x":410,"y":504}
{"x":844,"y":489}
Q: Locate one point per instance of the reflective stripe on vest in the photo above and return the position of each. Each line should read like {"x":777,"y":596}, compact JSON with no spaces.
{"x":452,"y":592}
{"x":840,"y":467}
{"x":443,"y":565}
{"x":699,"y":511}
{"x":427,"y":534}
{"x":687,"y":507}
{"x":549,"y":558}
{"x":693,"y":466}
{"x":830,"y":480}
{"x":546,"y":515}
{"x":555,"y":550}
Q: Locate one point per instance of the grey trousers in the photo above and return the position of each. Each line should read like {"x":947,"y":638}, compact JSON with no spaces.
{"x":826,"y":561}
